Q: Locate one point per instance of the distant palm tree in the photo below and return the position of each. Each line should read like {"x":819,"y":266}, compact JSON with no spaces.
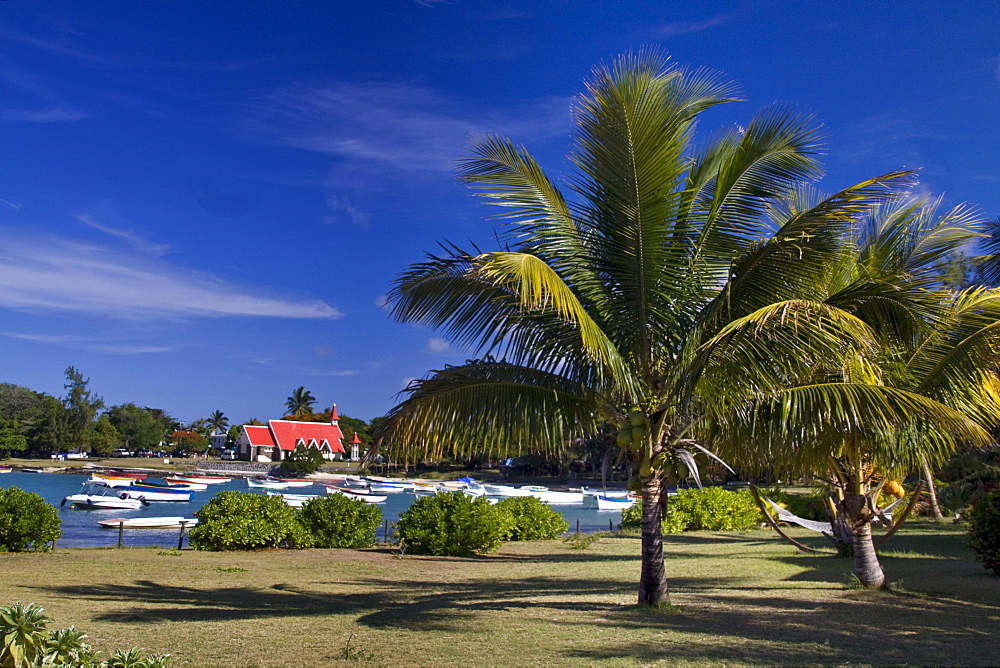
{"x":218,"y":422}
{"x":300,"y":402}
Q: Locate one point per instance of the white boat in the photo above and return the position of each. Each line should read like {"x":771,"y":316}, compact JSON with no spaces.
{"x":269,"y":484}
{"x":204,"y":479}
{"x":361,"y":496}
{"x":294,"y":500}
{"x":506,"y":490}
{"x":543,"y":494}
{"x":111,"y":481}
{"x":387,"y":483}
{"x":613,"y":503}
{"x":99,"y":497}
{"x":379,"y":488}
{"x":421,"y":488}
{"x":149,"y":522}
{"x":181,"y":484}
{"x":292,"y":482}
{"x":156,"y":493}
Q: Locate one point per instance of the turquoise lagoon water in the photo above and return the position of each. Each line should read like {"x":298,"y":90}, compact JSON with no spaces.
{"x":80,"y":527}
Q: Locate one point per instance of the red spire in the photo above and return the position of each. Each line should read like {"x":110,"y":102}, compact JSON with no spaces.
{"x":333,"y":415}
{"x":356,"y":441}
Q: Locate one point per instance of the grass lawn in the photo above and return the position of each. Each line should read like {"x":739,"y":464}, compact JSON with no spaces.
{"x":743,"y":598}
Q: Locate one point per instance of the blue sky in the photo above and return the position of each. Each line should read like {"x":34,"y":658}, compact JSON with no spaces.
{"x":202,"y":205}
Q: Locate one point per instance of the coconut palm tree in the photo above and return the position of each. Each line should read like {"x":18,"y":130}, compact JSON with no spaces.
{"x":218,"y":422}
{"x":599,"y":306}
{"x":925,"y":382}
{"x":300,"y":402}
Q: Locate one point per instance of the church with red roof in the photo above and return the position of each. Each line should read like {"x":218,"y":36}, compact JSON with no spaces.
{"x":274,"y":441}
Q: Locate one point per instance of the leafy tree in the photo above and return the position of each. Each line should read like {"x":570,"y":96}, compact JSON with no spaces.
{"x":140,"y":428}
{"x":188,"y":441}
{"x":349,"y":426}
{"x":340,"y":521}
{"x":300,"y":402}
{"x":303,"y":460}
{"x":53,"y":430}
{"x":102,"y":437}
{"x":11,"y":438}
{"x":603,"y":308}
{"x":199,"y":426}
{"x":81,"y":404}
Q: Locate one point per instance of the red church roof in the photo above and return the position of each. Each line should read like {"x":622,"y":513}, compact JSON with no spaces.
{"x":288,"y":434}
{"x":259,"y":435}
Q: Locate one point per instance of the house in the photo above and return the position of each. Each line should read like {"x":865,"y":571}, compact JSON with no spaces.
{"x":273,"y":442}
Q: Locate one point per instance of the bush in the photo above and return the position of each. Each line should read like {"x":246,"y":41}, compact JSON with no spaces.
{"x":340,"y":521}
{"x":27,"y":522}
{"x":807,"y":506}
{"x":245,"y":521}
{"x":303,"y":461}
{"x":984,"y":530}
{"x":451,"y":524}
{"x":527,"y":518}
{"x":25,"y":640}
{"x":711,"y":509}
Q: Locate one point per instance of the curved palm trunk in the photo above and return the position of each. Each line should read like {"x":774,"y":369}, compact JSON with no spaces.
{"x":867,"y":568}
{"x":931,"y":488}
{"x":653,"y":580}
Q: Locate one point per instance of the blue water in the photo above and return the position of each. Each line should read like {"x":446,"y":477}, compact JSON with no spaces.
{"x":80,"y":527}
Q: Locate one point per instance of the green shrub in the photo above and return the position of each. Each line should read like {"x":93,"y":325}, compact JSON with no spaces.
{"x":303,"y":461}
{"x":27,"y":522}
{"x":245,"y":521}
{"x":807,"y":506}
{"x":984,"y":530}
{"x":340,"y":521}
{"x":711,"y":509}
{"x":530,"y":519}
{"x":451,"y":524}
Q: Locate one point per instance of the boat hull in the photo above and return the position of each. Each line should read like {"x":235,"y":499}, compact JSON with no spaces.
{"x":149,"y":522}
{"x":98,"y":502}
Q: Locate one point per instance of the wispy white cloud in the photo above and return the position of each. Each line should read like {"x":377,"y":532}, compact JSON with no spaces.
{"x":50,"y":115}
{"x":63,"y":275}
{"x":94,"y":344}
{"x":382,"y":301}
{"x":128,"y":236}
{"x":405,"y":126}
{"x":438,"y":346}
{"x":343,"y":206}
{"x":686,"y":27}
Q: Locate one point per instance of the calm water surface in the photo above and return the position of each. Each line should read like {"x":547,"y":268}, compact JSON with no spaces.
{"x":80,"y":527}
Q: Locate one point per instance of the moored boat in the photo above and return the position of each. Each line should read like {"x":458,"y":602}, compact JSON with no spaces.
{"x":613,"y":502}
{"x":265,"y":482}
{"x":111,"y":481}
{"x":293,"y":482}
{"x":180,"y":484}
{"x":294,"y":500}
{"x":204,"y":479}
{"x":149,"y":522}
{"x":5,"y":469}
{"x":156,"y":493}
{"x":367,"y":497}
{"x":96,"y":497}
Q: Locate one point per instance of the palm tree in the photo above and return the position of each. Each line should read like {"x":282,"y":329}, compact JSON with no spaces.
{"x":218,"y":422}
{"x":602,"y":310}
{"x":925,"y":382}
{"x":300,"y":402}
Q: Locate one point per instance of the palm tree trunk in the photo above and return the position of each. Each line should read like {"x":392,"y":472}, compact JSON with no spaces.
{"x":653,"y":579}
{"x":866,"y":566}
{"x":931,"y":489}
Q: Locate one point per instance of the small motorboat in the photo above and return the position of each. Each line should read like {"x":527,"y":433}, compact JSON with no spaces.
{"x":203,"y":479}
{"x":111,"y":481}
{"x":180,"y":484}
{"x":5,"y":469}
{"x":150,"y":493}
{"x":294,"y":500}
{"x":149,"y":522}
{"x":125,"y":474}
{"x":97,"y":497}
{"x":293,"y":482}
{"x":614,"y":502}
{"x":388,"y":484}
{"x":265,"y":482}
{"x":356,"y":493}
{"x":420,"y":488}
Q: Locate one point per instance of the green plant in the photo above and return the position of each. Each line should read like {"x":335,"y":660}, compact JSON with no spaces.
{"x":451,"y":524}
{"x":24,"y":635}
{"x":984,"y":530}
{"x":348,"y":653}
{"x":245,"y":521}
{"x":340,"y":521}
{"x":303,"y":461}
{"x":530,"y":519}
{"x":27,"y":522}
{"x":710,"y":509}
{"x":231,"y":569}
{"x":133,"y":658}
{"x":581,"y":541}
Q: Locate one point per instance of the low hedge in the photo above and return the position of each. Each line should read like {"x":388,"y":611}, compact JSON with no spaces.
{"x":711,"y":509}
{"x":27,"y":522}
